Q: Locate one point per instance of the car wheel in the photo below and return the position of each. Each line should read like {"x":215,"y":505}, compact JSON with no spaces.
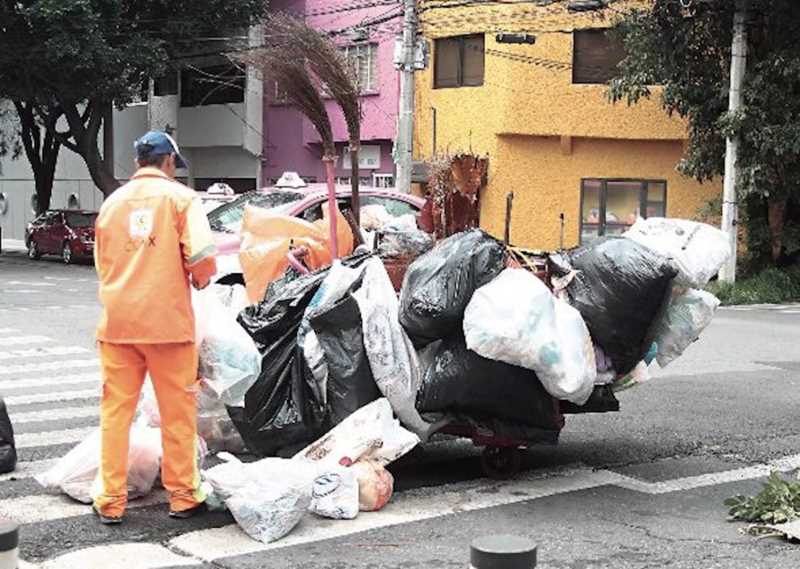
{"x":66,"y":253}
{"x":33,"y":249}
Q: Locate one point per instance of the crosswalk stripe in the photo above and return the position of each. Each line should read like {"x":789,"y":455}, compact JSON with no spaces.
{"x":46,"y":508}
{"x":47,"y":366}
{"x":15,"y":400}
{"x":64,"y":436}
{"x":55,"y":414}
{"x":58,"y":382}
{"x":28,"y":469}
{"x":43,"y":352}
{"x":8,"y":330}
{"x":24,"y":340}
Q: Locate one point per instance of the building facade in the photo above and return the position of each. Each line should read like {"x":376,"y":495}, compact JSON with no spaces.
{"x":367,"y":41}
{"x":525,"y":84}
{"x":212,"y":108}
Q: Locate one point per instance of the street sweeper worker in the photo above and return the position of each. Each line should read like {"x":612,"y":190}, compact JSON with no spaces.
{"x":152,"y":243}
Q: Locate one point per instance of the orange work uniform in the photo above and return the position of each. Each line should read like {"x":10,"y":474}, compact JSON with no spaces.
{"x":151,"y":238}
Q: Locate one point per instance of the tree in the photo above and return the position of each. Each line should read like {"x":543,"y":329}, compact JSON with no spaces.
{"x":686,"y":51}
{"x":68,"y":61}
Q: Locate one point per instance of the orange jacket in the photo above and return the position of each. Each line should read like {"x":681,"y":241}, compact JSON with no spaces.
{"x":151,"y":237}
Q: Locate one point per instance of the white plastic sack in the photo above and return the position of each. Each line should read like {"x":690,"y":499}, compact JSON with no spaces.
{"x":268,"y":498}
{"x":229,"y":359}
{"x":375,"y":485}
{"x":391,"y":354}
{"x":372,"y":432}
{"x":335,"y":494}
{"x":76,"y":472}
{"x":374,"y":217}
{"x":688,"y":314}
{"x":232,"y":297}
{"x":698,"y":250}
{"x":515,"y":319}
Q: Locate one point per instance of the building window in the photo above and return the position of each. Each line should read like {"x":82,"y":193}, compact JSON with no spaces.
{"x":212,"y":85}
{"x":383,"y":180}
{"x":166,"y":85}
{"x":610,"y":207}
{"x":458,"y":62}
{"x":595,"y":56}
{"x":363,"y":60}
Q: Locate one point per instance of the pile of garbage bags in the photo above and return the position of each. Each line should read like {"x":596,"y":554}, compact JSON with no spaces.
{"x":8,"y":450}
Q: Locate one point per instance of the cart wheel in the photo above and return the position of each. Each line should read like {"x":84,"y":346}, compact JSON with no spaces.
{"x":501,"y":463}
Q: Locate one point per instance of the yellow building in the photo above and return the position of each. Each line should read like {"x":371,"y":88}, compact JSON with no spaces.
{"x":540,"y":112}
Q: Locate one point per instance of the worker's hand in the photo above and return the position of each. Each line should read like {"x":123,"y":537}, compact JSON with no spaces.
{"x":198,"y":284}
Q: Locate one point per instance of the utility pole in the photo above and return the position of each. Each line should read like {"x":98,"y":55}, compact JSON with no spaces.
{"x":405,"y":119}
{"x":729,"y":196}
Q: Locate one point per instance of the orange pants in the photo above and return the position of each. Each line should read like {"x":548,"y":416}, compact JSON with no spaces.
{"x":173,"y":371}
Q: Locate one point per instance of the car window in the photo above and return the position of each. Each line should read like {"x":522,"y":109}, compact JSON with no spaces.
{"x":314,"y":212}
{"x":227,"y":217}
{"x":53,"y":218}
{"x":80,"y":219}
{"x":394,"y":206}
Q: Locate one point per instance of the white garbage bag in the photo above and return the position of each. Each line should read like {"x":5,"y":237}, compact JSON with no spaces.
{"x":335,"y":494}
{"x":688,"y":314}
{"x":75,"y":473}
{"x":372,"y":432}
{"x":373,"y":217}
{"x":375,"y":485}
{"x":233,"y":297}
{"x":516,"y":319}
{"x":698,"y":250}
{"x":391,"y":354}
{"x":267,"y":498}
{"x":229,"y":359}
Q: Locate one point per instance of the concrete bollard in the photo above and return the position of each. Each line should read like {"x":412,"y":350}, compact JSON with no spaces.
{"x":9,"y":542}
{"x":502,"y":552}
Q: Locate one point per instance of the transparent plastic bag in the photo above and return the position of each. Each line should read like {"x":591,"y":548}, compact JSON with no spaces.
{"x":688,"y":314}
{"x":516,"y":320}
{"x":75,"y":473}
{"x":372,"y":432}
{"x":335,"y":494}
{"x":697,"y":250}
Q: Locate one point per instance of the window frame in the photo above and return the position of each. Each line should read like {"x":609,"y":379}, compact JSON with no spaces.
{"x":602,"y":225}
{"x":462,"y":39}
{"x":575,"y":65}
{"x":187,"y":97}
{"x":373,"y":65}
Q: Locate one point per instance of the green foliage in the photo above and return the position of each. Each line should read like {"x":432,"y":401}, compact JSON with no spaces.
{"x":770,"y":286}
{"x":777,"y":503}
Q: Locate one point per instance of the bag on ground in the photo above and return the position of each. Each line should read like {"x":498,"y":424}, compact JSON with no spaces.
{"x":688,"y":314}
{"x":439,"y":284}
{"x":515,"y":319}
{"x":620,"y":288}
{"x":375,"y":485}
{"x":697,"y":250}
{"x":8,"y":449}
{"x":335,"y":494}
{"x":460,"y":380}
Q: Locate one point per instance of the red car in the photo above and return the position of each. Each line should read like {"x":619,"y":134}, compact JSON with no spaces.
{"x":305,"y":202}
{"x":68,"y":233}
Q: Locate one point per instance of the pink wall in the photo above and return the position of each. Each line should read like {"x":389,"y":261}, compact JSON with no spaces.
{"x":290,"y":141}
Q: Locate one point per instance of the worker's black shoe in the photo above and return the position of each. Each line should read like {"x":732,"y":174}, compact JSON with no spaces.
{"x":190,"y":513}
{"x":107,"y":520}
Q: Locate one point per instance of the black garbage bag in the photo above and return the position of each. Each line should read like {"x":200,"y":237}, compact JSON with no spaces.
{"x":8,"y":451}
{"x":461,"y":381}
{"x":350,"y":381}
{"x":620,"y":288}
{"x":439,"y":284}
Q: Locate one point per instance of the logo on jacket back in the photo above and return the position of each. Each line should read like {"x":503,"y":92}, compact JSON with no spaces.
{"x":140,"y":229}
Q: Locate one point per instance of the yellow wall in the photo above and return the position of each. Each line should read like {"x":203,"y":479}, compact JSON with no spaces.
{"x":520,"y":114}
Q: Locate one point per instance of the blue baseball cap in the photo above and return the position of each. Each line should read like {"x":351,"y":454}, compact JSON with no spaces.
{"x":157,"y":143}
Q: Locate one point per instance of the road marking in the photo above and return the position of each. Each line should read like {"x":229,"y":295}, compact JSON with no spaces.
{"x":47,"y":366}
{"x":61,"y":437}
{"x":43,"y":352}
{"x":119,"y":556}
{"x":15,"y":400}
{"x":59,"y":381}
{"x":24,"y":340}
{"x":28,"y":283}
{"x":47,"y":507}
{"x":29,"y":469}
{"x":55,"y":414}
{"x":8,"y":330}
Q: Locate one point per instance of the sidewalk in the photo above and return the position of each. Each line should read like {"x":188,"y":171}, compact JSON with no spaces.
{"x":13,"y":246}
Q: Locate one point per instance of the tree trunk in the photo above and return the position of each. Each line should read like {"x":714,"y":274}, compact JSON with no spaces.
{"x":41,"y":149}
{"x":355,"y":181}
{"x":776,"y":216}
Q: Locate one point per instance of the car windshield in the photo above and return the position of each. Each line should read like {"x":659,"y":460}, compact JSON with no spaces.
{"x":227,"y":217}
{"x":75,"y":219}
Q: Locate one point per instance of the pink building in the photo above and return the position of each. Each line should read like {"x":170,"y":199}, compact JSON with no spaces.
{"x":367,"y":39}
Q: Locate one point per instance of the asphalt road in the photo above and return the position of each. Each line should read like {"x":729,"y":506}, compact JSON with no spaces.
{"x":636,"y":489}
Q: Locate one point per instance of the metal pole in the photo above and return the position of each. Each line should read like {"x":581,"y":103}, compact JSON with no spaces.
{"x":729,"y":199}
{"x":502,"y":551}
{"x":405,"y":120}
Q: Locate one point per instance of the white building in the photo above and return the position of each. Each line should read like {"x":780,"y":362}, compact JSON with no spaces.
{"x":212,"y":108}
